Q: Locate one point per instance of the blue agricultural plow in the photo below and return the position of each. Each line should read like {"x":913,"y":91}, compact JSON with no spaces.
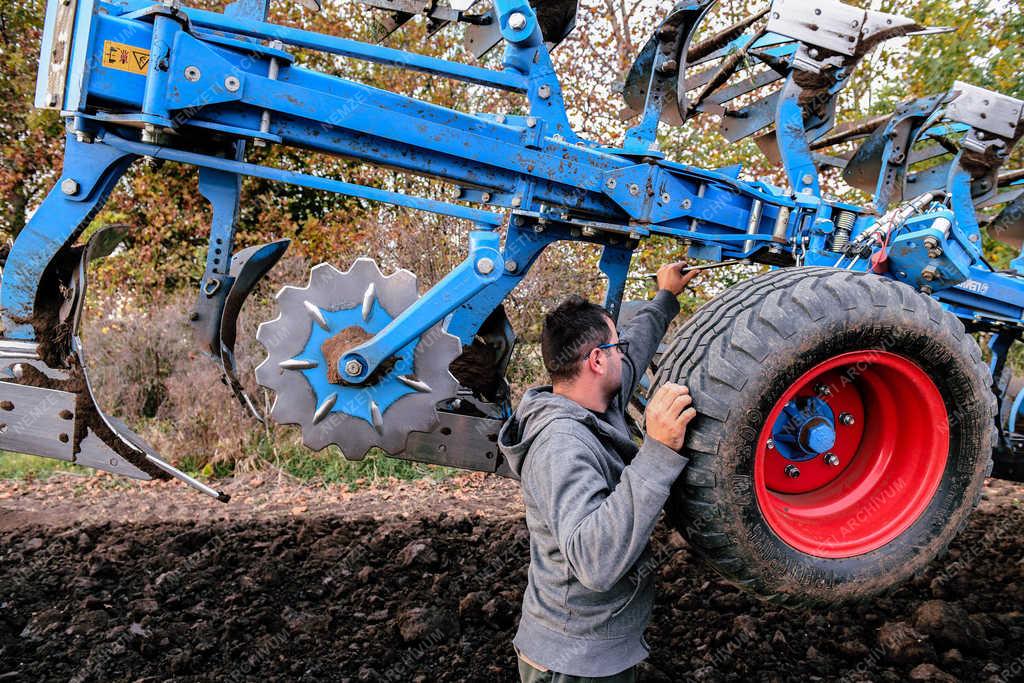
{"x":846,"y":419}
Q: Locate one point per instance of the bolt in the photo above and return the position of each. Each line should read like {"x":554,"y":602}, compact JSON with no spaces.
{"x":807,"y":179}
{"x":792,"y":471}
{"x":930,"y":243}
{"x":930,"y":274}
{"x":83,"y":137}
{"x":517,"y":201}
{"x":544,"y":92}
{"x":531,"y":121}
{"x":511,"y":266}
{"x":517,"y":21}
{"x":192,"y":73}
{"x":611,"y":183}
{"x":538,"y":229}
{"x":770,"y":444}
{"x":485,"y":197}
{"x":634,"y":189}
{"x":822,"y":390}
{"x":847,"y":419}
{"x":485,"y":266}
{"x":353,"y":368}
{"x":232,"y":84}
{"x":832,"y":460}
{"x":668,"y":67}
{"x":973,"y":238}
{"x":665,"y":197}
{"x":69,"y":186}
{"x":686,"y":204}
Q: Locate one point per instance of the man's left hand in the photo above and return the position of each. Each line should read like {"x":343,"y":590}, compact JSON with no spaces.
{"x":671,"y":277}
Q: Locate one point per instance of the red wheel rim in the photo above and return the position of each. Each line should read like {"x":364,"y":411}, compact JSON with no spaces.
{"x":891,"y":457}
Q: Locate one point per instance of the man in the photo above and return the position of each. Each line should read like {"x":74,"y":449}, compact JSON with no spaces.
{"x":592,"y":496}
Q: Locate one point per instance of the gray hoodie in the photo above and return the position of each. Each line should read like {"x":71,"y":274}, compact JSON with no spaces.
{"x":592,"y":499}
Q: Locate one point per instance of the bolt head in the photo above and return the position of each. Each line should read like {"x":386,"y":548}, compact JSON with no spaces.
{"x":485,"y":266}
{"x":792,"y":471}
{"x":770,"y":444}
{"x":611,"y":183}
{"x":193,"y":74}
{"x":511,"y":266}
{"x":832,"y":460}
{"x":232,"y":84}
{"x":353,"y":368}
{"x":847,"y":419}
{"x":634,"y":189}
{"x":517,"y":21}
{"x":687,"y":204}
{"x":69,"y":186}
{"x":544,"y":92}
{"x":823,"y":390}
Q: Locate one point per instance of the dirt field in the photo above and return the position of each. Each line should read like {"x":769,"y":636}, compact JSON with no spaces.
{"x":421,"y":582}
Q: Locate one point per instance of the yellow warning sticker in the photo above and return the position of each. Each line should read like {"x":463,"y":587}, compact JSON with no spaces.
{"x":134,"y":60}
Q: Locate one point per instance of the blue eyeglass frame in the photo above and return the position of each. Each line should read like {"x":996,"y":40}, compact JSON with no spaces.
{"x":622,"y":345}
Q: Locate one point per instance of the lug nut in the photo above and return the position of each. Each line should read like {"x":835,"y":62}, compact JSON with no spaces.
{"x":847,"y":419}
{"x":792,"y":471}
{"x":832,"y":460}
{"x":517,"y":21}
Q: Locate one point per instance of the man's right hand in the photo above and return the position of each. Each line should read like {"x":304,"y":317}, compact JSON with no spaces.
{"x":668,"y":412}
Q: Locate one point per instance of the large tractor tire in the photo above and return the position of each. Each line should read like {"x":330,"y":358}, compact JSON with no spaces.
{"x":845,"y":429}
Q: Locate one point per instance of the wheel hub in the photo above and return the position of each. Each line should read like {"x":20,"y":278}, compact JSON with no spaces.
{"x":851,"y":454}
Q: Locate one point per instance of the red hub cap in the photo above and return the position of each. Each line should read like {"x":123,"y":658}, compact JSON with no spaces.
{"x":890,"y":450}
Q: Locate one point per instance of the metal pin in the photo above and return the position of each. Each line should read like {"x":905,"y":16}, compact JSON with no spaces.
{"x":378,"y":419}
{"x":316,"y":314}
{"x":297,"y":364}
{"x":414,"y":383}
{"x":368,"y":302}
{"x":324,"y":408}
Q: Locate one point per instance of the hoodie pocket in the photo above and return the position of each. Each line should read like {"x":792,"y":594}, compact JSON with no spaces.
{"x":636,"y":589}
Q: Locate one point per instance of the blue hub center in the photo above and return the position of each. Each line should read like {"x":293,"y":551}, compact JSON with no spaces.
{"x":355,"y":400}
{"x":805,"y":429}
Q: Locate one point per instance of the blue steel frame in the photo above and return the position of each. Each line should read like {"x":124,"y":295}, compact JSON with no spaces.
{"x":224,"y":79}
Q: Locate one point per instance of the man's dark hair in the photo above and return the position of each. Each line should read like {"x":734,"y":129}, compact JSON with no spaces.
{"x":572,"y":329}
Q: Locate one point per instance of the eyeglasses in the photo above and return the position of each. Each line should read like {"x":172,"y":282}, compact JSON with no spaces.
{"x":623,"y":346}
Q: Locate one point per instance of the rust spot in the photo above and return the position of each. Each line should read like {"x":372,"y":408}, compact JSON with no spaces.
{"x":338,"y":345}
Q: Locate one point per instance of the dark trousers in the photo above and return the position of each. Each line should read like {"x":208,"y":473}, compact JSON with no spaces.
{"x":528,"y":674}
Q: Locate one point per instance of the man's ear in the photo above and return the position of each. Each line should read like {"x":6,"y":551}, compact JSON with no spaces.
{"x":596,"y":362}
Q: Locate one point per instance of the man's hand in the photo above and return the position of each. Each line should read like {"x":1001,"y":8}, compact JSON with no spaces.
{"x":668,"y":412}
{"x":671,"y":277}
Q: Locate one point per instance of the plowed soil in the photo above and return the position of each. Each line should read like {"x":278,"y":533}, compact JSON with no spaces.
{"x":101,"y":581}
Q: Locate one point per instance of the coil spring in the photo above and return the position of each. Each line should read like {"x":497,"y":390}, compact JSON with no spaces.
{"x":844,"y":223}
